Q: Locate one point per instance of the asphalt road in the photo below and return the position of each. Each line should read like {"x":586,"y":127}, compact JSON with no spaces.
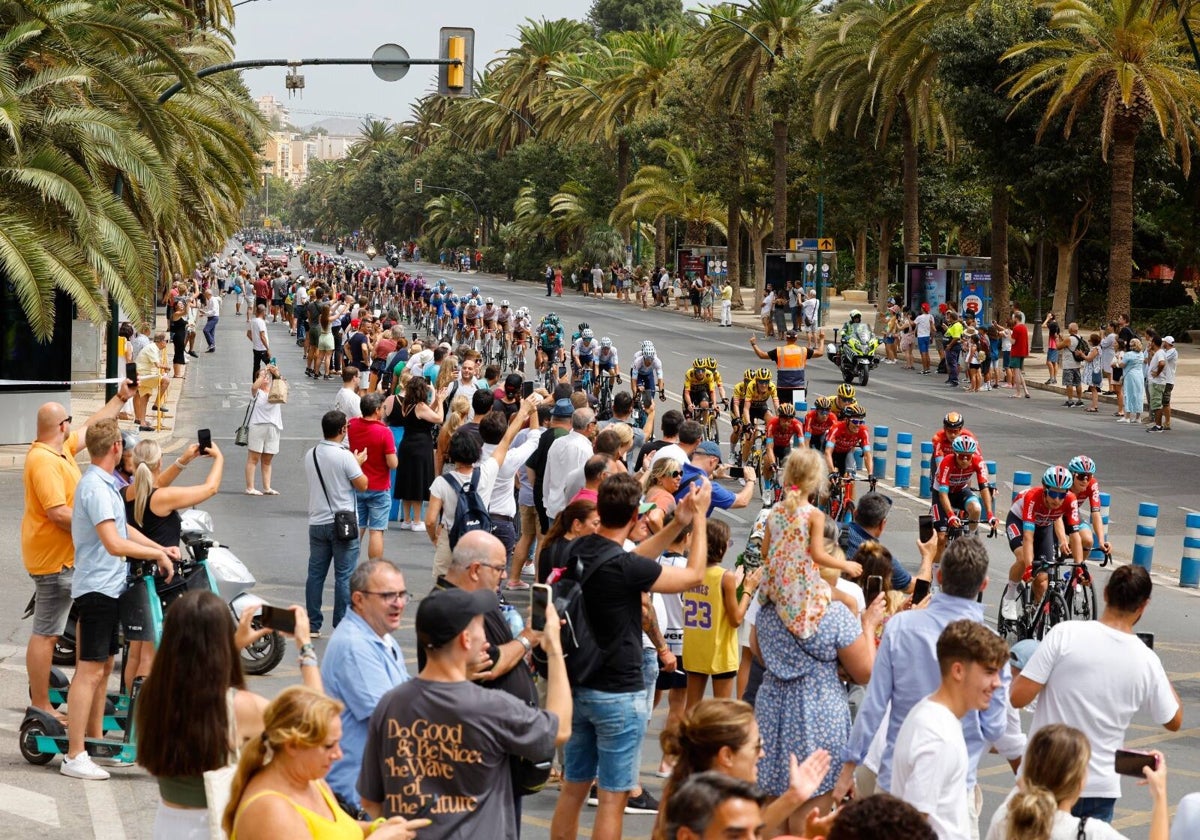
{"x":269,"y":534}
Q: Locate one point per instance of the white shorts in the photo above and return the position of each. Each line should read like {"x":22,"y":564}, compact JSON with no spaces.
{"x":264,"y":438}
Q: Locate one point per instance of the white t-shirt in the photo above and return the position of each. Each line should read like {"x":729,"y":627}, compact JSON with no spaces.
{"x":929,"y":768}
{"x":1065,"y":827}
{"x":258,"y":327}
{"x":445,"y":487}
{"x":671,"y":450}
{"x":1096,"y":679}
{"x":668,"y":609}
{"x":348,"y":402}
{"x":1172,"y":357}
{"x":924,"y":325}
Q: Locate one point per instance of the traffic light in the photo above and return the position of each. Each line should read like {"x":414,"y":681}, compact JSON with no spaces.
{"x":418,"y":185}
{"x":456,"y":44}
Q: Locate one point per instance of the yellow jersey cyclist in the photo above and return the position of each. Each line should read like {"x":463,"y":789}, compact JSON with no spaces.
{"x":702,"y":386}
{"x":761,"y":403}
{"x":736,"y":403}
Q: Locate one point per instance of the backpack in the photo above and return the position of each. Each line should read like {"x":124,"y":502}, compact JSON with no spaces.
{"x":583,"y":655}
{"x":1079,"y":351}
{"x":470,"y":513}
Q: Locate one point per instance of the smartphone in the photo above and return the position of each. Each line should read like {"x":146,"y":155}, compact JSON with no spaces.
{"x":133,"y":378}
{"x":920,"y":590}
{"x":278,"y":618}
{"x":1132,"y":762}
{"x":204,"y":438}
{"x":736,"y":472}
{"x":873,"y":589}
{"x":527,"y":388}
{"x":539,"y":598}
{"x":925,"y":528}
{"x":1147,"y":639}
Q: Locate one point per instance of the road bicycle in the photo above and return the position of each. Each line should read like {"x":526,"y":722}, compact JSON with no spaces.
{"x":1070,"y":596}
{"x":604,"y":406}
{"x":706,"y":416}
{"x":757,"y":460}
{"x":839,"y":504}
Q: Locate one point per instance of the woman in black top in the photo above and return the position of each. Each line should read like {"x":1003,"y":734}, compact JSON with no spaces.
{"x":152,"y":505}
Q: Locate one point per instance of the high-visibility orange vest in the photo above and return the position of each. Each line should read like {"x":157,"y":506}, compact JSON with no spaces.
{"x":791,"y":359}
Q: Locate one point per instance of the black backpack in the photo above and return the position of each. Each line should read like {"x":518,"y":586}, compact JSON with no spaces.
{"x":583,"y":655}
{"x":470,"y":513}
{"x":1079,"y":348}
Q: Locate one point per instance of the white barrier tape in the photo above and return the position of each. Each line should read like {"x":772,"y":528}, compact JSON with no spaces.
{"x":118,"y":380}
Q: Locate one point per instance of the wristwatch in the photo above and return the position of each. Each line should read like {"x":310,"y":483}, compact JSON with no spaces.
{"x":525,"y":643}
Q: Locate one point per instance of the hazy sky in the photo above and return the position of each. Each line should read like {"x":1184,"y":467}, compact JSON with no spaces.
{"x":354,"y":28}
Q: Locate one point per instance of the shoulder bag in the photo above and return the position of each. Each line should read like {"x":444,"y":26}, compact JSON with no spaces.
{"x":242,"y":436}
{"x":345,"y":522}
{"x":218,"y":783}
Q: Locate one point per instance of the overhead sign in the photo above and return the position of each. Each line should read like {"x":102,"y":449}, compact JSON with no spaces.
{"x":394,"y":69}
{"x":826,"y":244}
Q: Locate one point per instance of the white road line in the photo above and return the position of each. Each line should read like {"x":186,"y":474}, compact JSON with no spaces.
{"x":106,"y":816}
{"x":909,"y":422}
{"x":1035,"y":460}
{"x":30,"y":805}
{"x":733,"y":516}
{"x":1188,"y":509}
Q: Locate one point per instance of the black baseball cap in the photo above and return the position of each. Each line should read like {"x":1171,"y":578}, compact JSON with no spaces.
{"x":444,"y":613}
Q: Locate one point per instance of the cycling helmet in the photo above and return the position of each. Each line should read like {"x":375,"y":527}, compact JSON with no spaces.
{"x":964,"y":445}
{"x":606,"y":342}
{"x":787,"y":410}
{"x":1057,"y":478}
{"x":583,"y":325}
{"x":587,"y":335}
{"x":490,"y":301}
{"x":455,"y":299}
{"x":822,"y":404}
{"x":1082,"y":465}
{"x":475,"y":290}
{"x":710,"y":363}
{"x":698,"y":362}
{"x":953,"y":420}
{"x":854,"y":411}
{"x":647,"y":353}
{"x":748,"y":374}
{"x":854,"y":313}
{"x":503,"y":304}
{"x":845,"y":392}
{"x":763,"y":374}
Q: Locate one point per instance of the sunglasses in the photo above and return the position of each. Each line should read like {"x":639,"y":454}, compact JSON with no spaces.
{"x":1056,"y":494}
{"x":858,"y":422}
{"x":674,"y":474}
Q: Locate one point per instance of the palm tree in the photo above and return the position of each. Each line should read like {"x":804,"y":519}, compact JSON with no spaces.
{"x":449,"y":220}
{"x":670,"y":191}
{"x":1136,"y":68}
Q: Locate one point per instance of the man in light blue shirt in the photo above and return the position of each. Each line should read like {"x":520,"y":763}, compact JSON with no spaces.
{"x":906,"y":671}
{"x":363,"y":662}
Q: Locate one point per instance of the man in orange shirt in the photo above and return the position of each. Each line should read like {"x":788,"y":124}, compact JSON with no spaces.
{"x":46,"y":546}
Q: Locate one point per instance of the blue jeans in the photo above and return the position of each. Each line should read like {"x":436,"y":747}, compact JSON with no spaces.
{"x":606,"y":738}
{"x":1095,"y":808}
{"x":210,"y":331}
{"x":322,"y":549}
{"x":373,"y":508}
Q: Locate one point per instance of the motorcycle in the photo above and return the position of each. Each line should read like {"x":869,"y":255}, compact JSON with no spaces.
{"x":232,"y":581}
{"x":856,"y":356}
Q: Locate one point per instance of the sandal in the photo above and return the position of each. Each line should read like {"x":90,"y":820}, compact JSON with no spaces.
{"x":251,"y":491}
{"x":1092,"y":410}
{"x":270,"y":491}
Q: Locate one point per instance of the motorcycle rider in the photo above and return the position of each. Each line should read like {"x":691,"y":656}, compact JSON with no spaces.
{"x":847,"y":330}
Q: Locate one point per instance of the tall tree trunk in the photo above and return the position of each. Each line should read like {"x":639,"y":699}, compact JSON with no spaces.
{"x":1062,"y":278}
{"x":1000,"y":291}
{"x":623,"y":178}
{"x":912,"y":195}
{"x":860,"y":258}
{"x":660,"y":241}
{"x":1120,"y":260}
{"x":779,"y":133}
{"x":757,"y":255}
{"x":733,"y":223}
{"x":884,"y":275}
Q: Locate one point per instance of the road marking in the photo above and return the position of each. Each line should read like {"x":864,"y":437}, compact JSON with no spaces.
{"x":909,"y":422}
{"x":733,"y":516}
{"x":1188,"y":509}
{"x":30,"y":805}
{"x":1035,"y":460}
{"x":106,"y":816}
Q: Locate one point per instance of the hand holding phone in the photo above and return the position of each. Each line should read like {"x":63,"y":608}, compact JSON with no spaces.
{"x":204,"y":439}
{"x":278,"y":618}
{"x":1132,"y":762}
{"x":924,"y":528}
{"x":873,"y":589}
{"x":539,"y":598}
{"x":736,"y":472}
{"x":920,"y":590}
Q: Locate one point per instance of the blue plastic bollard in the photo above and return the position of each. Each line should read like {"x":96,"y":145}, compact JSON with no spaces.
{"x":1189,"y":571}
{"x":925,"y":491}
{"x":879,"y":447}
{"x":904,"y":444}
{"x":1022,"y":481}
{"x":1143,"y":541}
{"x":1097,"y":552}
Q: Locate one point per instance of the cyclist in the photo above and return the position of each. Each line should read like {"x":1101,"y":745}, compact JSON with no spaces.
{"x":438,"y":302}
{"x":711,"y":363}
{"x":1037,"y":517}
{"x":817,"y":423}
{"x":522,"y":329}
{"x":504,"y":321}
{"x":954,"y":494}
{"x":845,"y":397}
{"x":575,"y":336}
{"x":583,"y":356}
{"x":489,"y":313}
{"x":1085,"y":487}
{"x":953,"y":425}
{"x":761,"y":402}
{"x":848,"y":435}
{"x":470,"y":317}
{"x":549,"y":343}
{"x":606,"y":359}
{"x":699,"y":387}
{"x":647,"y":372}
{"x":783,"y":432}
{"x":737,"y":404}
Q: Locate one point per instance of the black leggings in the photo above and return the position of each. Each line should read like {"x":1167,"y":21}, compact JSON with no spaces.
{"x":179,"y":340}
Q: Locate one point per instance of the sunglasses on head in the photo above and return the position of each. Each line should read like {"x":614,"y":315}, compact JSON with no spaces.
{"x":1056,"y":494}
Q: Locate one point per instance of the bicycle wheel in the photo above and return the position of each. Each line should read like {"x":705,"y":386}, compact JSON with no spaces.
{"x":1051,"y":611}
{"x":1083,"y":598}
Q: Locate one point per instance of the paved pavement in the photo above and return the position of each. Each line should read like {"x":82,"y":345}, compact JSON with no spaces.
{"x":269,"y":534}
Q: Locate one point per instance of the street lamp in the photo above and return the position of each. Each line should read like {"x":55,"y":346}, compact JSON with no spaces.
{"x":512,"y":111}
{"x":451,"y":130}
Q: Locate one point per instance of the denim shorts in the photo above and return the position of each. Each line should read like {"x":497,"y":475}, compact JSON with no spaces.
{"x":923,"y":343}
{"x":606,"y":734}
{"x":374,"y":506}
{"x":52,"y":603}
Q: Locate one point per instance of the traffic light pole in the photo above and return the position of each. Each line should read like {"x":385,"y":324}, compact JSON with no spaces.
{"x":112,"y":368}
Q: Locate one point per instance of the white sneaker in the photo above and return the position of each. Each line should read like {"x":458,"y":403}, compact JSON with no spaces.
{"x":528,"y":570}
{"x":405,"y":525}
{"x":82,"y":767}
{"x":418,"y":526}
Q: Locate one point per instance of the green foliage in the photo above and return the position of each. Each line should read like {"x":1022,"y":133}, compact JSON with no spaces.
{"x":1155,"y":295}
{"x":607,"y":16}
{"x":1177,"y":322}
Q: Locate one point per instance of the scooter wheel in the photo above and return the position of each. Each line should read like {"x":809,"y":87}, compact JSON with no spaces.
{"x":64,"y":653}
{"x":30,"y":730}
{"x":262,"y":656}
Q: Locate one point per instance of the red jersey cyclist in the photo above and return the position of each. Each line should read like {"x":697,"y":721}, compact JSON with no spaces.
{"x":848,"y":435}
{"x":1037,"y":515}
{"x":783,"y":432}
{"x":952,"y":486}
{"x":817,"y":423}
{"x":1087,"y":491}
{"x":953,"y":425}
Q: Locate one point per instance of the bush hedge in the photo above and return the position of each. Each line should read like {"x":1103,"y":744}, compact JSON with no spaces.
{"x":1178,"y":321}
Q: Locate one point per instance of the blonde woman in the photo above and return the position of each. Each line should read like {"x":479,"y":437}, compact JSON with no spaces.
{"x":1053,"y":774}
{"x":460,"y":409}
{"x":659,"y":488}
{"x":280,"y":790}
{"x":153,"y":505}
